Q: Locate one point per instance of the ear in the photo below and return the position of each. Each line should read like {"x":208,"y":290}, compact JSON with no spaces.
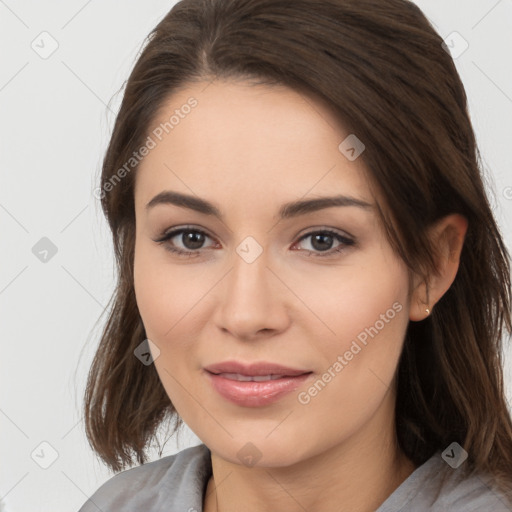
{"x":448,"y":237}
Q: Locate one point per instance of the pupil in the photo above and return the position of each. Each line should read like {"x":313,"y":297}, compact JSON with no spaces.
{"x":193,"y":240}
{"x":323,"y":245}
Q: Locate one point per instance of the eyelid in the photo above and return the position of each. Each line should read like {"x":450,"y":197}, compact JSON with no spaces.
{"x":347,"y":240}
{"x":315,"y":229}
{"x":175,"y":231}
{"x":185,"y":227}
{"x":307,"y":231}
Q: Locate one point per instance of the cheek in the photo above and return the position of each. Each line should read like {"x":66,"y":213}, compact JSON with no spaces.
{"x":161,"y":298}
{"x":150,"y":292}
{"x":165,"y":293}
{"x":346,"y":300}
{"x":174,"y":304}
{"x":373,"y":306}
{"x":363,"y":309}
{"x":165,"y":299}
{"x":369,"y":318}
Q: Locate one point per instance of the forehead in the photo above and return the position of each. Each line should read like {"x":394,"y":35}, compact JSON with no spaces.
{"x":248,"y":141}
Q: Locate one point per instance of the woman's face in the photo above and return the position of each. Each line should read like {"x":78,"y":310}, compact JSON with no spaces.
{"x":261,"y":287}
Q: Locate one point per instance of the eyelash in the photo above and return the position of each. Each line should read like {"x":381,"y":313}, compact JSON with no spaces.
{"x":346,"y":242}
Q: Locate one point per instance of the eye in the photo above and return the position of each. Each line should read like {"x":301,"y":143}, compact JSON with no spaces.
{"x":322,"y":241}
{"x":191,"y":238}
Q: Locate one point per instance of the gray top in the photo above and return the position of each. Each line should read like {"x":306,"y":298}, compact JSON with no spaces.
{"x":177,"y":483}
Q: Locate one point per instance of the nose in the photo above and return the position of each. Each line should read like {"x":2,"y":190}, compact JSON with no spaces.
{"x":253,"y":300}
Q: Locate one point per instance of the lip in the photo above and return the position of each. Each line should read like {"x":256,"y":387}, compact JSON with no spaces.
{"x":252,"y":393}
{"x":254,"y":369}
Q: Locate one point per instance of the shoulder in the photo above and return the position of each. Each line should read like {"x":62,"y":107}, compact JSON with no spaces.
{"x":437,"y":487}
{"x":471,"y":494}
{"x":177,"y":480}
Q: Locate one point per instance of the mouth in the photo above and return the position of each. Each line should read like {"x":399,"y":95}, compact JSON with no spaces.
{"x":238,"y":370}
{"x":254,"y":385}
{"x":251,"y":378}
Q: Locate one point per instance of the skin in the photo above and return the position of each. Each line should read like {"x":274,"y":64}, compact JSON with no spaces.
{"x":249,"y":149}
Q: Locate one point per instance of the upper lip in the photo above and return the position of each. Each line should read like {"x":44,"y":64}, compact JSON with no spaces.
{"x":254,"y":369}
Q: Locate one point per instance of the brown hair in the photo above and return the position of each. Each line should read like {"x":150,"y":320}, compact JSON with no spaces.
{"x":382,"y":68}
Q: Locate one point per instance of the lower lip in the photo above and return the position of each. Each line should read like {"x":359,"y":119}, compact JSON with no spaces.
{"x":255,"y":394}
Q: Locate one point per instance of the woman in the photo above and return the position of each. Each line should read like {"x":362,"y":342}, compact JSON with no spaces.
{"x":310,"y":274}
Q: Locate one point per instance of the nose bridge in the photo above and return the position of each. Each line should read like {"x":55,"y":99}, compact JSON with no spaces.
{"x":249,"y":278}
{"x":250,"y":300}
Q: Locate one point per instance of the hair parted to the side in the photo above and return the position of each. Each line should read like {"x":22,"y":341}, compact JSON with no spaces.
{"x":381,"y":67}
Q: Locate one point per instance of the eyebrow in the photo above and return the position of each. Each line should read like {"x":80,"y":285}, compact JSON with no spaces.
{"x":287,"y":211}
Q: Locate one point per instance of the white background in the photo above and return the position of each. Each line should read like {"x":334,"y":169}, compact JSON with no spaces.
{"x":56,"y":116}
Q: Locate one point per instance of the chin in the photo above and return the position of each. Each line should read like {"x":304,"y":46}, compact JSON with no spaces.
{"x":261,"y":451}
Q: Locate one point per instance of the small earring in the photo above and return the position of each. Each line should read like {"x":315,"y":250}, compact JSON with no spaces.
{"x":428,"y":311}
